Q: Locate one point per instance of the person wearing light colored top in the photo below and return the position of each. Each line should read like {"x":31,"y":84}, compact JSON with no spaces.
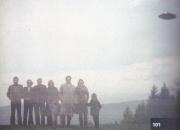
{"x":67,"y":98}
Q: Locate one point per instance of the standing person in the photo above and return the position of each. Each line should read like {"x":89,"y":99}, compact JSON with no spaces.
{"x":53,"y":98}
{"x":67,"y":97}
{"x":28,"y":103}
{"x":15,"y":94}
{"x":82,"y":100}
{"x":39,"y":99}
{"x":95,"y":107}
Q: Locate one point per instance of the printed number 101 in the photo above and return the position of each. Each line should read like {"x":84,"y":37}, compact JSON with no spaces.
{"x":156,"y":124}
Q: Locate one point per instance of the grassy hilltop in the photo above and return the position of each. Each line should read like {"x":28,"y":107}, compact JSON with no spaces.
{"x":76,"y":127}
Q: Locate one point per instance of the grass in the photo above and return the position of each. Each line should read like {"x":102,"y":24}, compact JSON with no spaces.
{"x":76,"y":127}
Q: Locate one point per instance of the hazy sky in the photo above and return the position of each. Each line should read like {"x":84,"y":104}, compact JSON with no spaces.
{"x":119,"y":47}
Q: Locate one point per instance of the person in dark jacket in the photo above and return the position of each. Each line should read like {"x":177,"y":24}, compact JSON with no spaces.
{"x":39,"y":99}
{"x":15,"y":94}
{"x":28,"y":104}
{"x":82,"y":100}
{"x":95,"y":107}
{"x":52,"y":102}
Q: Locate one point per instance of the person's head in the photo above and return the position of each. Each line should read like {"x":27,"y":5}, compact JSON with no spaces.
{"x":50,"y":83}
{"x":15,"y":80}
{"x":94,"y":96}
{"x":39,"y":81}
{"x":29,"y":82}
{"x":68,"y":79}
{"x":80,"y":82}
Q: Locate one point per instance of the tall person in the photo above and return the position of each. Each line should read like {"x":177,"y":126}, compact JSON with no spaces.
{"x":39,"y":99}
{"x":28,"y":104}
{"x":67,"y":97}
{"x":82,"y":101}
{"x":15,"y":94}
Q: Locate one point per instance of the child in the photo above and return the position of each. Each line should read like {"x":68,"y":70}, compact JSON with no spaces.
{"x":95,"y":107}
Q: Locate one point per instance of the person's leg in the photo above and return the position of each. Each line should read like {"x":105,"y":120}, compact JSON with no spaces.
{"x":12,"y":119}
{"x":36,"y":109}
{"x":81,"y":120}
{"x":53,"y":119}
{"x":62,"y":120}
{"x":19,"y":113}
{"x":42,"y":109}
{"x":30,"y":120}
{"x":94,"y":119}
{"x":97,"y":120}
{"x":85,"y":120}
{"x":25,"y":113}
{"x":49,"y":117}
{"x":68,"y":120}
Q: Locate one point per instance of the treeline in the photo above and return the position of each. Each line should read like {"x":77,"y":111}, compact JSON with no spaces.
{"x":161,"y":104}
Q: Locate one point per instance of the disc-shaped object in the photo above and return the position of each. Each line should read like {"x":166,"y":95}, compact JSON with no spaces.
{"x":167,"y":16}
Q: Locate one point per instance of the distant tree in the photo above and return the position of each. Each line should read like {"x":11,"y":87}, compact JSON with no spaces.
{"x":127,"y":116}
{"x":152,"y":107}
{"x":140,"y":116}
{"x":165,"y":94}
{"x":167,"y":103}
{"x":154,"y":93}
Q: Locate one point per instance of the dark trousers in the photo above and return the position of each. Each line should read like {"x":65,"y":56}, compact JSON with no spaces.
{"x":96,"y":121}
{"x":28,"y":109}
{"x":83,"y":120}
{"x":49,"y":116}
{"x":39,"y":109}
{"x":63,"y":120}
{"x":14,"y":106}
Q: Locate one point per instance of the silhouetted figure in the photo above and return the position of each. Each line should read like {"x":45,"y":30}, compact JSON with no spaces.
{"x":39,"y":99}
{"x":67,"y":97}
{"x":52,"y":104}
{"x":15,"y":94}
{"x":82,"y":100}
{"x":95,"y":107}
{"x":28,"y":103}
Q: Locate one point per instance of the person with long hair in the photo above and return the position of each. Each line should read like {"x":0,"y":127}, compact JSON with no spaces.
{"x":52,"y":106}
{"x":82,"y":100}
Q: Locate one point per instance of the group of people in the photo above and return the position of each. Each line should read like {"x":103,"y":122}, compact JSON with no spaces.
{"x":48,"y":101}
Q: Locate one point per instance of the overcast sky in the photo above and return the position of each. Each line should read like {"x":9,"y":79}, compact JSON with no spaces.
{"x":119,"y":47}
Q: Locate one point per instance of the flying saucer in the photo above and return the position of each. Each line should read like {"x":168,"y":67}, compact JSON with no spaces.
{"x":167,"y":16}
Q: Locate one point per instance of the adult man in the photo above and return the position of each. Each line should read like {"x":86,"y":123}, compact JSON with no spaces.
{"x":67,"y":97}
{"x":28,"y":104}
{"x":39,"y":99}
{"x":15,"y":93}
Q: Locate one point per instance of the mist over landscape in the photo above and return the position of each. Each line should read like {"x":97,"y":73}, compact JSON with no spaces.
{"x":121,"y":49}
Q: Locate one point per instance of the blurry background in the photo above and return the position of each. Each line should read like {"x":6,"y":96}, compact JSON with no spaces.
{"x":119,"y":48}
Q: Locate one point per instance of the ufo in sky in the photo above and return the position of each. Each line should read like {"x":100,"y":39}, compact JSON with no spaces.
{"x":167,"y":16}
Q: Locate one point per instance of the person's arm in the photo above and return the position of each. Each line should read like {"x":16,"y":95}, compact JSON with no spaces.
{"x":61,"y":92}
{"x":9,"y":93}
{"x":75,"y":96}
{"x":99,"y":105}
{"x":89,"y":104}
{"x":87,"y":95}
{"x":45,"y":93}
{"x":22,"y":93}
{"x":57,"y":95}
